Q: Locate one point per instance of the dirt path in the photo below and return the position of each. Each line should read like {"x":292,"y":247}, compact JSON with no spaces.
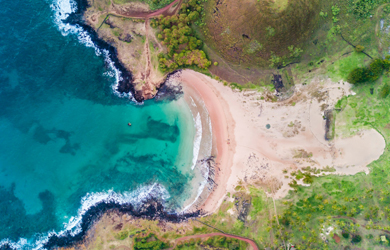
{"x":147,"y":52}
{"x":168,"y":10}
{"x":377,"y":29}
{"x":250,"y":242}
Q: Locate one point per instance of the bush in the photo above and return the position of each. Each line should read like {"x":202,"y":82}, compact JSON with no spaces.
{"x":356,"y":238}
{"x":376,"y":69}
{"x":359,"y":75}
{"x":345,"y":235}
{"x":308,"y":178}
{"x":362,"y":8}
{"x":370,"y":73}
{"x":359,"y":48}
{"x":148,"y":243}
{"x":386,"y":64}
{"x":384,"y":91}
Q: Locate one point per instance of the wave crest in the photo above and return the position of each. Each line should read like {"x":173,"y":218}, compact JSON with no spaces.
{"x":76,"y":225}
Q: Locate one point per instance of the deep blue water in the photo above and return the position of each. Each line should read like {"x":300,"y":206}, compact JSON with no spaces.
{"x":64,"y":133}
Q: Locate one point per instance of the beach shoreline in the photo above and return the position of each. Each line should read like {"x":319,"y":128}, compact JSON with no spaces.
{"x":255,"y":155}
{"x":247,"y":151}
{"x":194,"y":84}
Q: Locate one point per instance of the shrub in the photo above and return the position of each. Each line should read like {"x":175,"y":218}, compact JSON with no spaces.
{"x":345,"y":234}
{"x":359,"y":75}
{"x":359,"y":48}
{"x":215,"y":63}
{"x":237,"y":86}
{"x":370,"y":73}
{"x":308,"y":178}
{"x":362,"y":8}
{"x":356,"y":238}
{"x":384,"y":91}
{"x":335,"y":10}
{"x":386,"y":63}
{"x":376,"y":69}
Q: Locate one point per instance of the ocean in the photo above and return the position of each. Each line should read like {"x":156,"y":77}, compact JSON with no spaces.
{"x":65,"y":141}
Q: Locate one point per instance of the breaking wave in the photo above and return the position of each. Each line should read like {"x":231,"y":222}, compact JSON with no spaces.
{"x":62,"y":10}
{"x":197,"y":139}
{"x":76,"y":225}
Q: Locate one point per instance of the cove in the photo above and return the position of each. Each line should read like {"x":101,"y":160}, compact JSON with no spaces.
{"x":65,"y":134}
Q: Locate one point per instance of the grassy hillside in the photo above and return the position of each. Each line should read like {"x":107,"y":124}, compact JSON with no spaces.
{"x":265,"y":33}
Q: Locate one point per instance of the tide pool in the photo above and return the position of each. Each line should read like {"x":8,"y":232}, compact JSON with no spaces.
{"x":65,"y":134}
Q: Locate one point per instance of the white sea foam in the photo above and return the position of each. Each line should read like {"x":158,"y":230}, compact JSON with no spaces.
{"x":62,"y":9}
{"x":197,"y":140}
{"x":135,"y":198}
{"x":205,"y":174}
{"x":192,"y":102}
{"x":206,"y":144}
{"x":73,"y":226}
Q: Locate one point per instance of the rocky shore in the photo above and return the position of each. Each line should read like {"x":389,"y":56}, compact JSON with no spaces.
{"x":124,"y":30}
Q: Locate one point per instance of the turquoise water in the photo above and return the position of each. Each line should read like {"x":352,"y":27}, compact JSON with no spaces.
{"x":64,"y":133}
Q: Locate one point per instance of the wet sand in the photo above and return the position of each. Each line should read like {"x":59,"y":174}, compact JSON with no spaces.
{"x":195,"y":84}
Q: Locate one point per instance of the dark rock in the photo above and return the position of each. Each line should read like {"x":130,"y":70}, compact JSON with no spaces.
{"x":125,"y":38}
{"x":110,"y":23}
{"x":278,"y":83}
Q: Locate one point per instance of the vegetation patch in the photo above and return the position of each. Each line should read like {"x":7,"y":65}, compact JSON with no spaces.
{"x":369,"y":73}
{"x":184,"y":48}
{"x":149,"y":242}
{"x":216,"y":242}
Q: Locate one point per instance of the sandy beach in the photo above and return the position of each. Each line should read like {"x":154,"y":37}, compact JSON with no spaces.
{"x":222,"y":127}
{"x":249,"y":152}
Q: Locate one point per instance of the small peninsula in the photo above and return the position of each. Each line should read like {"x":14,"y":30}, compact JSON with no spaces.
{"x":134,"y":30}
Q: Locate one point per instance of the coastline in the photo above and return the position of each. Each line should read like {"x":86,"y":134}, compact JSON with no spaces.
{"x":125,"y":78}
{"x":256,"y":155}
{"x":194,"y":84}
{"x":247,"y":151}
{"x":260,"y":156}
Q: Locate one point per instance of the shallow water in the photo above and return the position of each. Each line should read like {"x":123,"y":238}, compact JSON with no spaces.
{"x":64,"y":133}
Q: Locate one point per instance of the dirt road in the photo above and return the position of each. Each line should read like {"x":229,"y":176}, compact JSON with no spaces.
{"x":168,"y":10}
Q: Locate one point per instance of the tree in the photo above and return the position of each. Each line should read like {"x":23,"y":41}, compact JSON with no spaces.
{"x":193,"y":16}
